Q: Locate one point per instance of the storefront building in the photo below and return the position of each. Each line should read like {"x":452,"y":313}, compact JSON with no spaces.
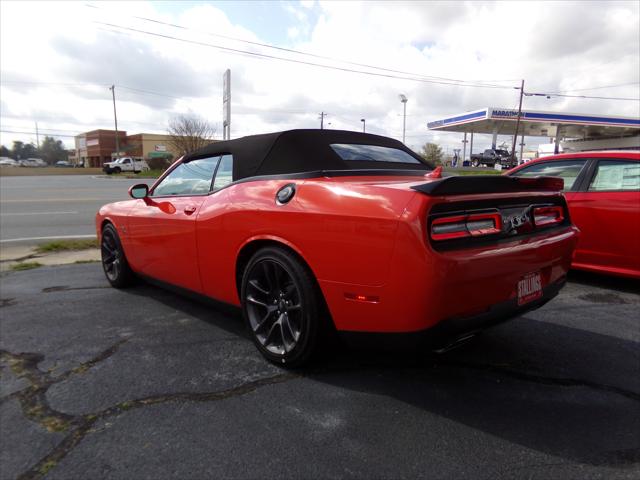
{"x":95,"y":148}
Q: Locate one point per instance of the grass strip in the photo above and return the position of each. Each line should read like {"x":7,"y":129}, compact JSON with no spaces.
{"x":18,"y":267}
{"x":67,"y":245}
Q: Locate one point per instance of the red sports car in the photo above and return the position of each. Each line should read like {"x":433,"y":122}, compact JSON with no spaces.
{"x":603,"y":193}
{"x":309,"y":230}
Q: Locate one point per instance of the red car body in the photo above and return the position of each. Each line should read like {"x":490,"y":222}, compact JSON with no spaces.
{"x":367,"y":238}
{"x":604,"y":205}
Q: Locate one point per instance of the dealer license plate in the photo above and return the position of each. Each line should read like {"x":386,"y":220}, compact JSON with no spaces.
{"x":529,"y":288}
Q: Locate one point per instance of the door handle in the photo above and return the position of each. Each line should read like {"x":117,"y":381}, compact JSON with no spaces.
{"x":189,"y":209}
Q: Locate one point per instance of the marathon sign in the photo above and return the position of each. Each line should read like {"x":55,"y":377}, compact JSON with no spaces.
{"x":504,"y":114}
{"x":437,"y":123}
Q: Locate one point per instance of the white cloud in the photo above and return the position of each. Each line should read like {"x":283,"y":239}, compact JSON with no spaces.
{"x":554,"y":47}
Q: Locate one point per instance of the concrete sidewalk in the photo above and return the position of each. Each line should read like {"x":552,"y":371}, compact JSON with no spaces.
{"x":12,"y":255}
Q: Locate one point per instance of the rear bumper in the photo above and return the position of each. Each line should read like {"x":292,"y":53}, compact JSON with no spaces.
{"x":426,"y":288}
{"x":450,"y":330}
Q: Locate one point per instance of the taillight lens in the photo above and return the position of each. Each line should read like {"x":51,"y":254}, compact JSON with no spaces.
{"x":460,"y":226}
{"x":544,"y":216}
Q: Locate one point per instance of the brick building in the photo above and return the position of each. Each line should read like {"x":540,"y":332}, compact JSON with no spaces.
{"x":95,"y":148}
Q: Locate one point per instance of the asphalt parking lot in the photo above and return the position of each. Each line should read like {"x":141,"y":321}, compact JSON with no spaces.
{"x":142,"y":383}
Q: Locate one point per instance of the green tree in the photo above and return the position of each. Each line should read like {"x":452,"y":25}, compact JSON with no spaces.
{"x":4,"y":151}
{"x":432,"y":153}
{"x":29,"y":150}
{"x":16,"y":151}
{"x":52,"y":150}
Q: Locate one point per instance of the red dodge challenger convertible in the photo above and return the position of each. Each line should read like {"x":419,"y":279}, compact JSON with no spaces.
{"x":309,"y":230}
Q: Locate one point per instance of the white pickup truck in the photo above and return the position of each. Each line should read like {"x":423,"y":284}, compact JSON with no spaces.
{"x":125,"y":164}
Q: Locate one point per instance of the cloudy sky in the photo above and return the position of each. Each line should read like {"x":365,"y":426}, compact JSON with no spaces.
{"x":292,"y":60}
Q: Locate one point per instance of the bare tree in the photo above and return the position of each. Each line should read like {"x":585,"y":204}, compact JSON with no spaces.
{"x":189,"y":133}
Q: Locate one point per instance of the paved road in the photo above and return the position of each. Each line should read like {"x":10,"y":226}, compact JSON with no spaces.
{"x":141,"y":383}
{"x":54,"y":206}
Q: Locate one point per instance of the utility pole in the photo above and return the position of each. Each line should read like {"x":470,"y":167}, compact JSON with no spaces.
{"x":115,"y":118}
{"x":364,"y":124}
{"x":37,"y":136}
{"x":321,"y":117}
{"x":515,"y":134}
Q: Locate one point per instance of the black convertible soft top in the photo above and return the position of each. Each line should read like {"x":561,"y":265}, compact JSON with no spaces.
{"x":301,"y":151}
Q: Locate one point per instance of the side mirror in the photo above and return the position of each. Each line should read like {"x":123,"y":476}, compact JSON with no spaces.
{"x":138,"y":191}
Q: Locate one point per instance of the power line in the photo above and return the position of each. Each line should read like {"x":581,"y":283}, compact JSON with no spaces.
{"x":82,"y":84}
{"x":299,"y":52}
{"x":549,"y":95}
{"x":149,"y":92}
{"x":599,"y":88}
{"x":33,"y":133}
{"x":302,"y":62}
{"x":46,"y":129}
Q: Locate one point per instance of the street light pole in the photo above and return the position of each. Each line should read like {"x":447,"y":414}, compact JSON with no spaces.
{"x":403,"y":99}
{"x":115,"y":118}
{"x":364,"y":124}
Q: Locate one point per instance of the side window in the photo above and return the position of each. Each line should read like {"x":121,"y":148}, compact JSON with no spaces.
{"x":616,"y":175}
{"x":126,"y":160}
{"x":191,"y":178}
{"x":567,"y":170}
{"x":224,"y":175}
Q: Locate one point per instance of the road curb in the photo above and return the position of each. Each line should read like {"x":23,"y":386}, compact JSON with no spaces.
{"x":9,"y":260}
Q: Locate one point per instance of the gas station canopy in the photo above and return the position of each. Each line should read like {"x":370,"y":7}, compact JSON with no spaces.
{"x":502,"y":121}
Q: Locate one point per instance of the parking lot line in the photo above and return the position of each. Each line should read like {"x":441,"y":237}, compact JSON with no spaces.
{"x":36,"y":213}
{"x":61,"y":237}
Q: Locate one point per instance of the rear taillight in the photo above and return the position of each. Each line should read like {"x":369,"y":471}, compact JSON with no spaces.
{"x":460,"y":226}
{"x":544,"y":216}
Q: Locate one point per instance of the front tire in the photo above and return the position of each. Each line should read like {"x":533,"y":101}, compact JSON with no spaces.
{"x":114,"y":262}
{"x":475,"y":163}
{"x":281,"y":305}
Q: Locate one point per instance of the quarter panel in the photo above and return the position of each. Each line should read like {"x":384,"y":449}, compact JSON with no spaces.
{"x":345,"y":233}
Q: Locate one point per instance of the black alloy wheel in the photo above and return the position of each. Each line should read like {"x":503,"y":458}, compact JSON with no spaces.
{"x":115,"y":265}
{"x":281,"y":306}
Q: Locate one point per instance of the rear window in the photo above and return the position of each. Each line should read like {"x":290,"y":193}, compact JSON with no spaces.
{"x":568,"y":170}
{"x":375,"y":153}
{"x":616,"y":176}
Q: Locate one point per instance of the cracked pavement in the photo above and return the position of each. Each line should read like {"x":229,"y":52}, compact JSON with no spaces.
{"x":143,"y":383}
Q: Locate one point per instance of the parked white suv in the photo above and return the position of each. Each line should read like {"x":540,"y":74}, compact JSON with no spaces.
{"x":125,"y":164}
{"x":32,"y":162}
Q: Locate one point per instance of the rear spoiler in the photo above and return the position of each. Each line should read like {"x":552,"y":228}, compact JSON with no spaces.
{"x":461,"y":185}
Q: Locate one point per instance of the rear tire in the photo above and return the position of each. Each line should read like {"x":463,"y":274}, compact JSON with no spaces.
{"x":282,"y":307}
{"x":475,"y":163}
{"x":114,"y":262}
